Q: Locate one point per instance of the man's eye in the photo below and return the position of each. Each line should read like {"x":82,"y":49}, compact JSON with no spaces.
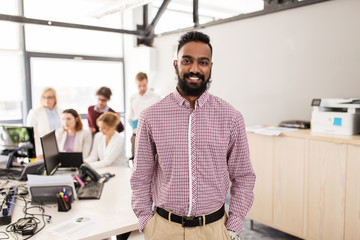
{"x":204,"y":63}
{"x":185,"y":61}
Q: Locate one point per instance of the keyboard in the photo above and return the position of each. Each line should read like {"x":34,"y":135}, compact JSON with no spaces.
{"x":91,"y":190}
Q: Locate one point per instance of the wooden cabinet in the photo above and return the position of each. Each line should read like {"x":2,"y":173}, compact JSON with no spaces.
{"x":289,"y":185}
{"x":352,"y":213}
{"x":326,"y":190}
{"x":261,"y":152}
{"x":307,"y":185}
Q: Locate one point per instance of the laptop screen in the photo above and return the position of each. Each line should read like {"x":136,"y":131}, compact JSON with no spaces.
{"x":51,"y":152}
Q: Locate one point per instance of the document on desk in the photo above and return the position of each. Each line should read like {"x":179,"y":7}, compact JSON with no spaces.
{"x":76,"y":227}
{"x":57,"y":180}
{"x":269,"y":130}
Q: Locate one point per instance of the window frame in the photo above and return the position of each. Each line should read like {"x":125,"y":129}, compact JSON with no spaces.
{"x":27,"y":55}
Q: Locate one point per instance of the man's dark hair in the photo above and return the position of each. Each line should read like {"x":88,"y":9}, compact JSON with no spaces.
{"x":194,"y":36}
{"x":104,"y":91}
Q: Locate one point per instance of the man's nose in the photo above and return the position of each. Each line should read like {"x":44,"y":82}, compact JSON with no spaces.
{"x":194,"y":68}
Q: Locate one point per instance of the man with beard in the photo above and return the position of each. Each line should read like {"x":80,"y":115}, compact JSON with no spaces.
{"x":192,"y":144}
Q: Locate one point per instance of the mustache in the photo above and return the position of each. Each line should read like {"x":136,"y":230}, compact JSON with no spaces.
{"x":187,"y":75}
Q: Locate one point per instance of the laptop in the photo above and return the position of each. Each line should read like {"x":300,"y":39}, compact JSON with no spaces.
{"x":54,"y":159}
{"x":71,"y":159}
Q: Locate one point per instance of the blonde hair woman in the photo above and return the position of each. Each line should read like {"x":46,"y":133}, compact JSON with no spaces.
{"x":72,"y":137}
{"x":108,"y":145}
{"x":44,"y":118}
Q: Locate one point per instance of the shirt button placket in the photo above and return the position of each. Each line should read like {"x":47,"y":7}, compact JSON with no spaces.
{"x":193,"y":161}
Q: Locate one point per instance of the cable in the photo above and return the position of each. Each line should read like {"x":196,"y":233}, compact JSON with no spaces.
{"x":25,"y":210}
{"x":107,"y":176}
{"x":24,"y":226}
{"x":28,"y":225}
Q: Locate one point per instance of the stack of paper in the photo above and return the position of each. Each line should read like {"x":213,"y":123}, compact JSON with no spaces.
{"x":269,"y":130}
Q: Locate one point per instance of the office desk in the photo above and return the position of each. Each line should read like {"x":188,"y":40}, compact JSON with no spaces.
{"x":110,"y":215}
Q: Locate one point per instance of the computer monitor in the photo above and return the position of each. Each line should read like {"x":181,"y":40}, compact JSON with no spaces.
{"x":50,"y":153}
{"x":17,"y":141}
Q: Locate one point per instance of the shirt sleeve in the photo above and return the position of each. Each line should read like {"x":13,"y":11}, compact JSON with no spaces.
{"x":59,"y":136}
{"x":132,"y":113}
{"x":241,"y":174}
{"x":89,"y":118}
{"x":32,"y":121}
{"x":94,"y":155}
{"x":143,"y":171}
{"x":87,"y":141}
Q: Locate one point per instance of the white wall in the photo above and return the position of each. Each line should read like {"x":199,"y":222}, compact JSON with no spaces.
{"x":137,"y":59}
{"x":271,"y":67}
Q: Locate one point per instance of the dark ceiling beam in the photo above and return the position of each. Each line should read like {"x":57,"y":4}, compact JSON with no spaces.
{"x":145,"y":15}
{"x":196,"y":12}
{"x":24,"y":20}
{"x":277,"y":8}
{"x":150,"y":28}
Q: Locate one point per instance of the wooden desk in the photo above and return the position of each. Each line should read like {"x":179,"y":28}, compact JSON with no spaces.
{"x":111,"y":215}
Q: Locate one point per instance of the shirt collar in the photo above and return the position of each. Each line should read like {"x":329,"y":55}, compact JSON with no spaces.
{"x":199,"y":102}
{"x":103,"y":111}
{"x":50,"y":111}
{"x":146,"y":93}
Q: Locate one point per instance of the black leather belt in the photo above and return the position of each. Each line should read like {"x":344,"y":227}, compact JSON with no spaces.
{"x":192,"y":221}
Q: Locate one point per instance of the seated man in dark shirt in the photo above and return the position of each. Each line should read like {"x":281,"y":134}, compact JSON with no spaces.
{"x":104,"y":95}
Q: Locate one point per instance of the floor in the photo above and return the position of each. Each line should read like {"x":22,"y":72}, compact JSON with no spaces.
{"x":260,"y":232}
{"x":263,"y":232}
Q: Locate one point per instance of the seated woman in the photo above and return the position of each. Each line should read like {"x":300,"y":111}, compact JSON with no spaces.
{"x":108,"y":145}
{"x":72,"y":137}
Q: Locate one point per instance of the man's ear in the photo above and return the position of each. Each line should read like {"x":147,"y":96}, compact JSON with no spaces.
{"x":175,"y":64}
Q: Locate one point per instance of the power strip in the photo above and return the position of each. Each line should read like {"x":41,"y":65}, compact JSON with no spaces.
{"x":7,"y":207}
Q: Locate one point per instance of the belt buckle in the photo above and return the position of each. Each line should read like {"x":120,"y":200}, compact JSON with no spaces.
{"x":184,"y":219}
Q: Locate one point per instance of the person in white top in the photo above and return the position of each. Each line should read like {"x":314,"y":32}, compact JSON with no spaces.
{"x":108,"y":145}
{"x":138,"y":102}
{"x":72,"y":137}
{"x":44,"y":118}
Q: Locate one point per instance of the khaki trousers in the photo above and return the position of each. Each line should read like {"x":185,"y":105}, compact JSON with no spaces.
{"x":158,"y":228}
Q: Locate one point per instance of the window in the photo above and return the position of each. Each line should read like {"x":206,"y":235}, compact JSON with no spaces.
{"x":70,"y":11}
{"x":76,"y":81}
{"x":72,"y":41}
{"x":11,"y":96}
{"x":9,"y":7}
{"x":10,"y":40}
{"x":11,"y":61}
{"x":92,"y":58}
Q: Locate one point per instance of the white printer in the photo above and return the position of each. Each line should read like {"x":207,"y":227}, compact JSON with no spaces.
{"x":337,"y":116}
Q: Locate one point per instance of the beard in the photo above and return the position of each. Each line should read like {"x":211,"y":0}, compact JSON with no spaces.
{"x":190,"y":88}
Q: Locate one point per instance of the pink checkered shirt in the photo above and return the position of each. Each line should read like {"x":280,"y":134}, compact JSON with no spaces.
{"x":186,"y":157}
